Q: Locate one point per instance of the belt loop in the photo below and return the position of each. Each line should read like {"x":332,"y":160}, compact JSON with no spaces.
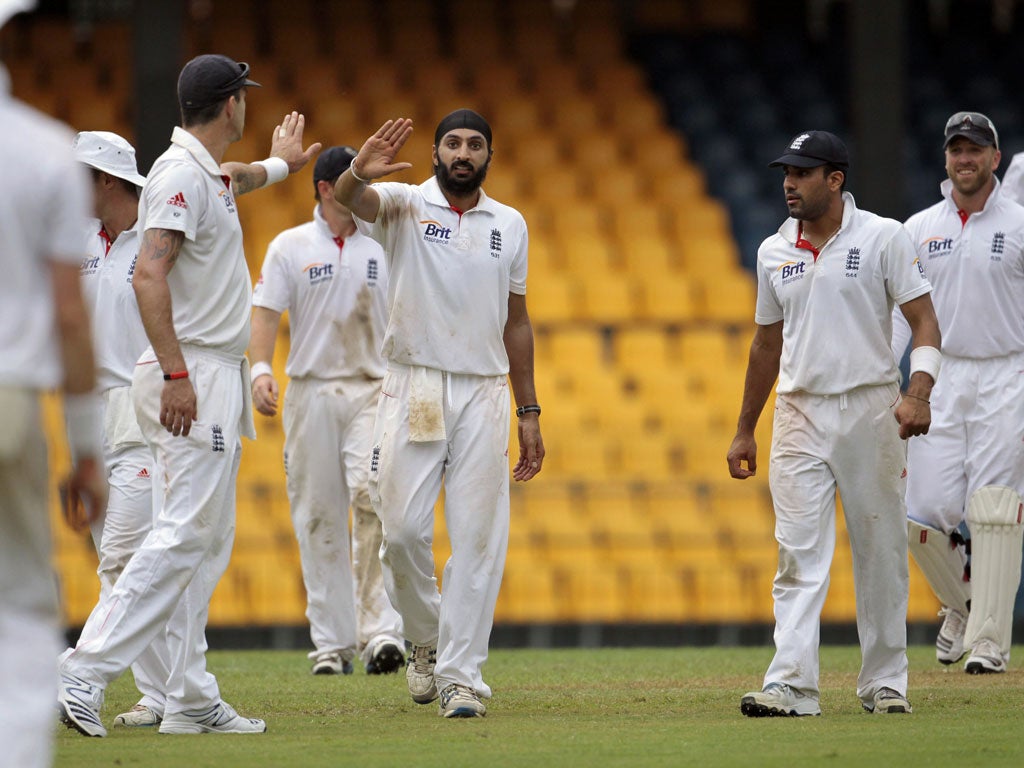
{"x":842,"y":402}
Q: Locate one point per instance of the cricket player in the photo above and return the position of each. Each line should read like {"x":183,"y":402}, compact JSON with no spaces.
{"x":191,"y":393}
{"x":44,"y":343}
{"x":970,"y":465}
{"x":112,"y":243}
{"x":827,"y":284}
{"x":458,"y":333}
{"x":332,"y":281}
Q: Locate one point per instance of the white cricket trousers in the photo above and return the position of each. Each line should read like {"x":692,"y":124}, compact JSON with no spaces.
{"x":405,"y":479}
{"x":29,"y":635}
{"x":169,"y":580}
{"x":849,"y":443}
{"x":121,"y":531}
{"x":328,"y":426}
{"x":974,"y":439}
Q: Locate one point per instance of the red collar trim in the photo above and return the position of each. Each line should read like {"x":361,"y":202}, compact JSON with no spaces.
{"x":805,"y":244}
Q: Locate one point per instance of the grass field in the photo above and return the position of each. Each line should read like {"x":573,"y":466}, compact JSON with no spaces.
{"x":608,"y":707}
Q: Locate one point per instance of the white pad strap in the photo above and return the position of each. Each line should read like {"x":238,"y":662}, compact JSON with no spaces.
{"x":942,"y":562}
{"x":995,"y":515}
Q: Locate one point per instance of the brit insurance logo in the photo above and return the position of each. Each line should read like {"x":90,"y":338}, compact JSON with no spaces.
{"x":319,"y":273}
{"x":90,"y":265}
{"x":435,"y":232}
{"x":229,"y":201}
{"x":937,"y":246}
{"x":792,"y":271}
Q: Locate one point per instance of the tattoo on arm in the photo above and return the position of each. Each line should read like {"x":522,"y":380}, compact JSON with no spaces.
{"x":163,"y":244}
{"x":245,"y":180}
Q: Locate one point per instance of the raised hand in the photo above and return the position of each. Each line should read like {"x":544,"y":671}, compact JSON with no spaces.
{"x":287,"y":142}
{"x":376,"y":158}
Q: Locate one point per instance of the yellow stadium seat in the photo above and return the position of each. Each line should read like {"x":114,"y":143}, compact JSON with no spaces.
{"x":553,"y":299}
{"x":610,"y":298}
{"x":668,"y":297}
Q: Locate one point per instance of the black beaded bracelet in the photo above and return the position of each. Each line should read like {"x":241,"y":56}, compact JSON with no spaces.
{"x":522,"y":410}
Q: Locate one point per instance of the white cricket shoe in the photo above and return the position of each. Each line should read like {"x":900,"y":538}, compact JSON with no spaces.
{"x":80,"y":703}
{"x":778,"y":700}
{"x":220,"y":718}
{"x":949,"y":644}
{"x":985,"y":659}
{"x":460,"y":701}
{"x":331,"y":664}
{"x":889,"y":701}
{"x":419,"y":674}
{"x":139,"y":716}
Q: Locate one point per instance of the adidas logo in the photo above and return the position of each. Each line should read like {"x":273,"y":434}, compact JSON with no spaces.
{"x":143,"y":472}
{"x":178,"y":200}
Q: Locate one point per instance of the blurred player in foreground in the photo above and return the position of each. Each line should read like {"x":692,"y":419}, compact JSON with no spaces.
{"x":827,"y":284}
{"x":44,"y":342}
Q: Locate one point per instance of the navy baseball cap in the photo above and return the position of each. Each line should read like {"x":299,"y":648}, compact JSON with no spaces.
{"x":333,"y":162}
{"x":211,"y":78}
{"x":973,"y":126}
{"x":813,"y":148}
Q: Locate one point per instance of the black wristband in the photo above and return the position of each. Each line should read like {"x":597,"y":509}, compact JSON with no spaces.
{"x":522,"y":410}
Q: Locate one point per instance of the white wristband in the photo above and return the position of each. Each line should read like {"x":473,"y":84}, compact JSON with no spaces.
{"x":260,"y":369}
{"x":83,"y":415}
{"x":276,"y":168}
{"x":927,"y":360}
{"x":356,"y":176}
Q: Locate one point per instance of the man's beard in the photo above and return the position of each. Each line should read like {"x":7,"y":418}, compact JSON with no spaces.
{"x":460,"y":187}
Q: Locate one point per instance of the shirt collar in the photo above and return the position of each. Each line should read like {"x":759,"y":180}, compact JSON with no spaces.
{"x":432,"y":194}
{"x":195,"y":147}
{"x":947,"y":192}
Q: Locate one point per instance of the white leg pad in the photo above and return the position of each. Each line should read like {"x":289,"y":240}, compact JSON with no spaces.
{"x":942,"y":562}
{"x":995,"y":515}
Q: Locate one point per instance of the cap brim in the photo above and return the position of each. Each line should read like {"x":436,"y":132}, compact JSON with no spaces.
{"x":981,"y":139}
{"x":797,"y":161}
{"x":251,"y":83}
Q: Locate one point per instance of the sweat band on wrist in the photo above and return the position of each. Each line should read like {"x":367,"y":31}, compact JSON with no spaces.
{"x":927,"y":360}
{"x":83,"y":415}
{"x":176,"y":375}
{"x":276,"y":168}
{"x":260,"y":369}
{"x":522,"y":410}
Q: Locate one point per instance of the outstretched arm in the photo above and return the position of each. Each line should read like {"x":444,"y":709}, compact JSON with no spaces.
{"x":376,"y":158}
{"x":285,"y":144}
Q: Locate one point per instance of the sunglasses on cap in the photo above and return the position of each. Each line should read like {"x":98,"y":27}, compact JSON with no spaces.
{"x":972,"y":123}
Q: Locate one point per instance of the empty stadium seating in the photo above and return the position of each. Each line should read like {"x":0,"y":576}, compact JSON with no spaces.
{"x":641,"y":308}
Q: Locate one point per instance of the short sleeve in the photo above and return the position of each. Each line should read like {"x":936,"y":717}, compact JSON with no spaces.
{"x":904,"y":274}
{"x":174,"y":200}
{"x":71,"y":194}
{"x":517,"y":273}
{"x":768,"y":309}
{"x":272,"y":290}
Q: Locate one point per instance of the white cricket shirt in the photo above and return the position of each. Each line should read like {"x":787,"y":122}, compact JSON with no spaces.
{"x":450,"y":276}
{"x":976,"y":269}
{"x":335,"y":292}
{"x":837,"y":310}
{"x":46,"y":203}
{"x":119,"y":338}
{"x":210,"y":289}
